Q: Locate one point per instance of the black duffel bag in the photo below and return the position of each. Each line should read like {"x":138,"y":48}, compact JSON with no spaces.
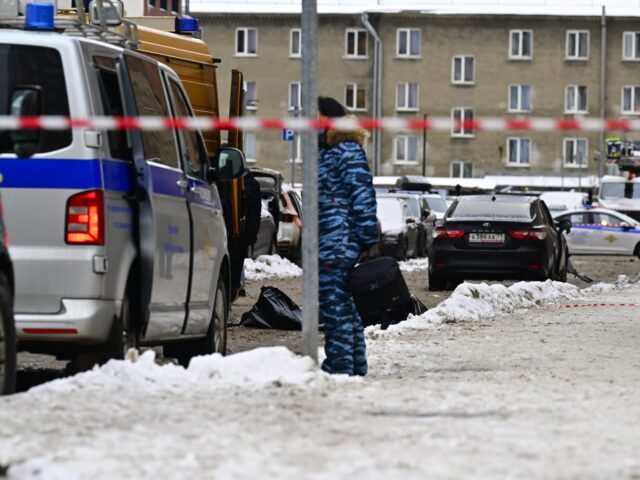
{"x":379,"y":291}
{"x":275,"y":310}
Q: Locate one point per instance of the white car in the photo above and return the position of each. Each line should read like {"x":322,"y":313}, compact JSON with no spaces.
{"x":600,"y":231}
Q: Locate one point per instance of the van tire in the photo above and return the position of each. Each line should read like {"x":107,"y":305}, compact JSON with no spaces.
{"x":217,"y":333}
{"x":216,"y":338}
{"x":272,"y":246}
{"x":637,"y":250}
{"x":7,"y":339}
{"x":122,"y":337}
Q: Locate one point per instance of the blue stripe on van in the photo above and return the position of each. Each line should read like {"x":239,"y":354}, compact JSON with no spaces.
{"x":50,"y":173}
{"x":117,"y":175}
{"x":165,"y":181}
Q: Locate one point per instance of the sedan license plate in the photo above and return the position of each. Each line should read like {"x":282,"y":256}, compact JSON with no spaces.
{"x":493,"y":238}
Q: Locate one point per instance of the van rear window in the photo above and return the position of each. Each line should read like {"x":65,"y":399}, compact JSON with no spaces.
{"x":27,"y":65}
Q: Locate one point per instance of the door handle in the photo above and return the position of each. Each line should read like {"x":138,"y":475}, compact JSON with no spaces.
{"x":182,"y":184}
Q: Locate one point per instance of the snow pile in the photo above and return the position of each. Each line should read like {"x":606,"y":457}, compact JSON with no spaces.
{"x":473,"y":302}
{"x":415,"y":265}
{"x":254,"y":369}
{"x":270,"y":266}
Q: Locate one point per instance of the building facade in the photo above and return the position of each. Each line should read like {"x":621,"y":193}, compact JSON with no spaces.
{"x":461,"y":66}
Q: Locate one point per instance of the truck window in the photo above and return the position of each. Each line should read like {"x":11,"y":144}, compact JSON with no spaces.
{"x":112,"y":104}
{"x":22,"y":65}
{"x":159,"y":145}
{"x":192,"y":144}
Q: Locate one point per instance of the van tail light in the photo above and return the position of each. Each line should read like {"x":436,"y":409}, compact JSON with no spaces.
{"x":85,"y":218}
{"x":539,"y":234}
{"x":441,"y":232}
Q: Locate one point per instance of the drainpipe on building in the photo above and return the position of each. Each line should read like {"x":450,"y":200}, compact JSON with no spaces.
{"x":377,"y":90}
{"x":603,"y":87}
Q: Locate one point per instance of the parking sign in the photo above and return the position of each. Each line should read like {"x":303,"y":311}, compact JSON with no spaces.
{"x":288,"y":134}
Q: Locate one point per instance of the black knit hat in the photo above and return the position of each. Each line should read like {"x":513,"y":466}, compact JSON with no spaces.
{"x":330,"y":107}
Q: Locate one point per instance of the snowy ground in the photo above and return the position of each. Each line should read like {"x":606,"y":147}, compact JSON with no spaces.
{"x":495,"y":382}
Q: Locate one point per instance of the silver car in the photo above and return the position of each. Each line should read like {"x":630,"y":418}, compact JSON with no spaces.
{"x":600,"y":231}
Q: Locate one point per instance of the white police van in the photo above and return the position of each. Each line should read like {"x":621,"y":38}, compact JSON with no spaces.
{"x":117,"y":237}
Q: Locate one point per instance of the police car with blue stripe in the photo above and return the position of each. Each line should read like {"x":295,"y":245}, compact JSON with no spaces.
{"x":117,"y":237}
{"x":600,"y":231}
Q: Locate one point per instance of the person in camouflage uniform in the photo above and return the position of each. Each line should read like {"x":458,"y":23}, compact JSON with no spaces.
{"x":347,"y":229}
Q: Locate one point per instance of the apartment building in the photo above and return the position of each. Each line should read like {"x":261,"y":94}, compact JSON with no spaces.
{"x":459,"y":64}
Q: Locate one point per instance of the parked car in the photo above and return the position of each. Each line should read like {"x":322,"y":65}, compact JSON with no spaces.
{"x":497,"y":237}
{"x":561,"y":201}
{"x":600,"y":231}
{"x":7,"y":325}
{"x":290,"y":228}
{"x":267,"y":235}
{"x":420,"y":211}
{"x":399,"y":228}
{"x":618,"y":193}
{"x":436,"y":204}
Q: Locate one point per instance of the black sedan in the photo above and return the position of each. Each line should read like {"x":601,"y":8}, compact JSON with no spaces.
{"x":399,"y":229}
{"x":497,"y":237}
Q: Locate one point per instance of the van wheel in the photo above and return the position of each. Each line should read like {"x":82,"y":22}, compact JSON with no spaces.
{"x":122,"y":337}
{"x":217,"y":333}
{"x":7,"y":339}
{"x":637,"y":251}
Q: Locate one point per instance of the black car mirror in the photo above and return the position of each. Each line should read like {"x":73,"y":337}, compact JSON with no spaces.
{"x":564,"y":225}
{"x":230,"y":163}
{"x":26,"y":101}
{"x":410,"y":220}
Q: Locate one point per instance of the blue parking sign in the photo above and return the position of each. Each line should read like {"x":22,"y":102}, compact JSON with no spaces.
{"x":288,"y":134}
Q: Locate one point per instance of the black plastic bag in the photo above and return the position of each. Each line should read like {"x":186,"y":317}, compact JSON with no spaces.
{"x":274,"y":310}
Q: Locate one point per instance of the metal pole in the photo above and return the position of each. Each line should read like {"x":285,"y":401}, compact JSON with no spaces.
{"x":377,"y":90}
{"x":424,"y":147}
{"x":603,"y":86}
{"x":309,"y":182}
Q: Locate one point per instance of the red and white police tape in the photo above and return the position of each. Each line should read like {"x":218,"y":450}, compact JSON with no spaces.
{"x":436,"y":124}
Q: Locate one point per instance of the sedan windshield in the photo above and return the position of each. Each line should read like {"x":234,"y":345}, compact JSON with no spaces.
{"x":437,"y":204}
{"x":481,"y":210}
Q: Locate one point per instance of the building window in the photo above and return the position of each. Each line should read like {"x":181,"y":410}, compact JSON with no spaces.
{"x":575,"y":152}
{"x":152,"y":3}
{"x":407,"y":97}
{"x":246,"y":41}
{"x":174,"y":6}
{"x":577,"y":45}
{"x":462,"y":70}
{"x":461,"y":169}
{"x":250,"y":147}
{"x":295,"y":43}
{"x":405,"y":149}
{"x":518,"y":151}
{"x":631,"y":46}
{"x":355,"y":43}
{"x":163,"y":5}
{"x":521,"y":44}
{"x":408,"y":43}
{"x":462,"y":122}
{"x":519,"y":98}
{"x":295,"y":96}
{"x":355,"y":97}
{"x":631,"y":99}
{"x":575,"y":99}
{"x":250,"y":96}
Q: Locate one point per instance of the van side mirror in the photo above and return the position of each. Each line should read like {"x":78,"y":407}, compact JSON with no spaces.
{"x":25,"y":101}
{"x":229,"y":164}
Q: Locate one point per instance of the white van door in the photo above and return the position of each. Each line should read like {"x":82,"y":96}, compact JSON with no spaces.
{"x":164,"y":226}
{"x":208,"y":222}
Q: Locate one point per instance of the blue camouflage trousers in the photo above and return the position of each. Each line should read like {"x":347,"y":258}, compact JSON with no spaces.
{"x":344,"y":337}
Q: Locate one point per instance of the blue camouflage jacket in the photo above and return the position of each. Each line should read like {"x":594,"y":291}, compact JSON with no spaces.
{"x":346,"y":199}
